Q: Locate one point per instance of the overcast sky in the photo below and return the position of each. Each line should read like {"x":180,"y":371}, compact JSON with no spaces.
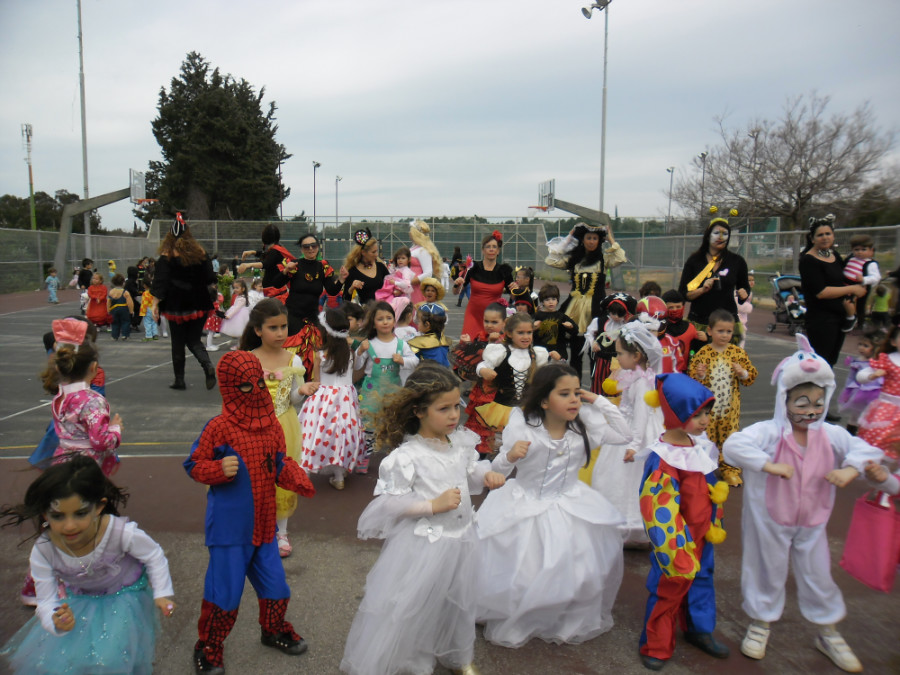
{"x":429,"y":107}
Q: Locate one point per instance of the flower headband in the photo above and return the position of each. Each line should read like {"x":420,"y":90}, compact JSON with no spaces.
{"x":331,"y":331}
{"x":433,"y":308}
{"x":497,"y":235}
{"x":362,"y":237}
{"x":178,"y":225}
{"x":69,"y":332}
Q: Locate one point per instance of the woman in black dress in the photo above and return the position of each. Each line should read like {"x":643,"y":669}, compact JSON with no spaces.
{"x":830,"y":300}
{"x":181,"y":293}
{"x":710,"y":278}
{"x":365,"y":273}
{"x":305,"y":278}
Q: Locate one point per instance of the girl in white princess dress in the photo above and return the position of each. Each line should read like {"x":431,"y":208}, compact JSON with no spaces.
{"x":419,"y":604}
{"x":550,"y":551}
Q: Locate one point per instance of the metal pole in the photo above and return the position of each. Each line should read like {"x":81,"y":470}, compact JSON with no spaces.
{"x":603,"y":109}
{"x":316,"y":165}
{"x":84,"y":161}
{"x":703,"y":184}
{"x":337,"y":222}
{"x":671,"y":171}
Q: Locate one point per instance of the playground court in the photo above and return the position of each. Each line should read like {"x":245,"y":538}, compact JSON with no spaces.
{"x":328,"y":568}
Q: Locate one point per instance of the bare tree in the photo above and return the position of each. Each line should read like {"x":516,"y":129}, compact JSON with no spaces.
{"x":790,"y":166}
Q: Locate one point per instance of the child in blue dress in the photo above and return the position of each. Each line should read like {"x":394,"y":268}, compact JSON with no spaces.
{"x":113,"y":573}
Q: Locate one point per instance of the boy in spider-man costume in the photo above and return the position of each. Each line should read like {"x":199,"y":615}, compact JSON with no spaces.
{"x":680,"y":504}
{"x":241,"y":455}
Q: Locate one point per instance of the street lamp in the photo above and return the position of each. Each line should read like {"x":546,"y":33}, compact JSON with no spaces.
{"x":316,"y":165}
{"x":600,"y":5}
{"x":671,"y":171}
{"x":337,"y":222}
{"x":703,"y":155}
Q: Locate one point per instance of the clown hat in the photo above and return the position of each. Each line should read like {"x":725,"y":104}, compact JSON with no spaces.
{"x":434,"y":283}
{"x":680,"y":397}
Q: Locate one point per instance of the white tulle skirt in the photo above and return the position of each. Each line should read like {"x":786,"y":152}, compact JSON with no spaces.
{"x":620,"y":483}
{"x":552,"y":575}
{"x":418,"y":609}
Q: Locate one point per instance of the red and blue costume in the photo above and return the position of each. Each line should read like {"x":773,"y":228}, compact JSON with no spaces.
{"x":681,"y":507}
{"x":240,"y":512}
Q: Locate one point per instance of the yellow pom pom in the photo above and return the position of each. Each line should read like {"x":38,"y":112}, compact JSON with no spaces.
{"x":733,"y":213}
{"x":713,"y":210}
{"x":651,"y":398}
{"x":715,"y":534}
{"x":610,"y":387}
{"x":718,"y":493}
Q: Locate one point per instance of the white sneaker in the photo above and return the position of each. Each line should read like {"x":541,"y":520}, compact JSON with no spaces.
{"x":755,"y":641}
{"x":212,"y":348}
{"x":834,"y":647}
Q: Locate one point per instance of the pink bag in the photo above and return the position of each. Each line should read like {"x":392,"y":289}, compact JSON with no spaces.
{"x":872,"y":548}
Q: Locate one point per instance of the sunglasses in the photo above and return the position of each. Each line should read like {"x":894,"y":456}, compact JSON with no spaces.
{"x":309,"y":247}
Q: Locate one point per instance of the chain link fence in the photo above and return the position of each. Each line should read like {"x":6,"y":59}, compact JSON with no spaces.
{"x":26,"y":255}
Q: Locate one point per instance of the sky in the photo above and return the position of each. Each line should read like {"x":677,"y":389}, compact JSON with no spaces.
{"x":432,"y":107}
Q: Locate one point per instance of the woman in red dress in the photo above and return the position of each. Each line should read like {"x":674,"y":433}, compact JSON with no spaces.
{"x":487,"y":279}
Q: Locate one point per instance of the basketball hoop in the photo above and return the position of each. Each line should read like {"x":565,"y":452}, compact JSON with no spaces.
{"x":536,"y":211}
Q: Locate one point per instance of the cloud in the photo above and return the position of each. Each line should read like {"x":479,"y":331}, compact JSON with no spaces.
{"x":432,"y":107}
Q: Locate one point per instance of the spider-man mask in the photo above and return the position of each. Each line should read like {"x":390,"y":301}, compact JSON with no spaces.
{"x":245,"y":399}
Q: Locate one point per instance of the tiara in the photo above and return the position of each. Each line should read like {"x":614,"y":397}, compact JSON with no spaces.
{"x":331,"y":331}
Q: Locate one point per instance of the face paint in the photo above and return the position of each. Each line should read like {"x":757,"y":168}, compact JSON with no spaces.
{"x":802,"y":411}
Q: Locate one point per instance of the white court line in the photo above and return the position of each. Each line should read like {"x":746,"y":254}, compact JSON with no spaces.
{"x":118,"y":379}
{"x":169,"y":455}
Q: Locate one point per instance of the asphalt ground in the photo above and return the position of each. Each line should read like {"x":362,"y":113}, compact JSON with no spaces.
{"x":328,"y":568}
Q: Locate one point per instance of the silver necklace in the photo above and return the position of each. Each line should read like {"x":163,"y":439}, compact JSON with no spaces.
{"x":85,"y":568}
{"x":823,"y":252}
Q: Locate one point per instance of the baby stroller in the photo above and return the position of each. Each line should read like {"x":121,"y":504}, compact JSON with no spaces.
{"x":789,"y":304}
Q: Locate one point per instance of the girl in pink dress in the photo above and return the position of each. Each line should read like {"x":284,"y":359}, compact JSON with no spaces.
{"x":398,"y":284}
{"x":425,"y":261}
{"x":879,"y":424}
{"x":80,"y":414}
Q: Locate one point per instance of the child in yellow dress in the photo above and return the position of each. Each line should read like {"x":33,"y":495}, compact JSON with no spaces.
{"x":283,"y":371}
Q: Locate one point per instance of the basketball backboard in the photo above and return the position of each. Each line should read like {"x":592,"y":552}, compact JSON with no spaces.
{"x":546,"y":193}
{"x":138,"y":186}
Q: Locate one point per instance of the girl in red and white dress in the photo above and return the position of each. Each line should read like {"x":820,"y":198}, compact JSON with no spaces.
{"x":879,"y":424}
{"x":332,"y":434}
{"x":214,"y":322}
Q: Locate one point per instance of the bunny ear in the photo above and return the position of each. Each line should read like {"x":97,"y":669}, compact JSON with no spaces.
{"x":780,"y":367}
{"x":803,"y":343}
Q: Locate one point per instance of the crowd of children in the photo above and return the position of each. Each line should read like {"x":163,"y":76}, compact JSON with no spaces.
{"x":657,"y":428}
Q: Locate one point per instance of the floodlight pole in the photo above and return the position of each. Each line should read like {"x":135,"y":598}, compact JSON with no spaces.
{"x":671,"y":171}
{"x":337,"y":222}
{"x":703,"y":155}
{"x":316,"y":165}
{"x":601,"y":5}
{"x":84,"y":161}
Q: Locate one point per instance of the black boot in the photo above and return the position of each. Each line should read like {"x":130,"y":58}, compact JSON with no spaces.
{"x":178,"y":384}
{"x":210,"y":372}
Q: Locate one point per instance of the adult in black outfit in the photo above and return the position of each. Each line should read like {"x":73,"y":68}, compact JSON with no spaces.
{"x":710,"y":278}
{"x":830,"y":299}
{"x":365,"y":273}
{"x":181,"y":293}
{"x":305,"y":278}
{"x":271,"y":260}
